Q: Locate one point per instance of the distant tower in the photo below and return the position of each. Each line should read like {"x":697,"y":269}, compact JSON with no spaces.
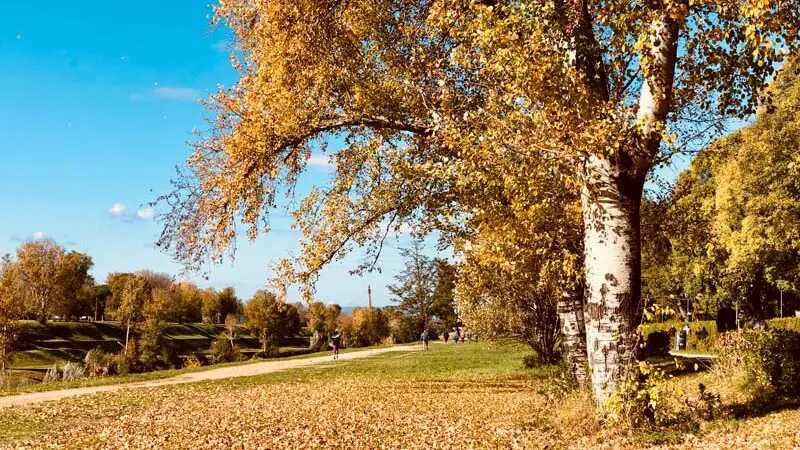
{"x":369,"y":295}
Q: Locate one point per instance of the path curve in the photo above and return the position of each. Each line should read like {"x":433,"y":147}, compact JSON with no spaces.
{"x":245,"y":370}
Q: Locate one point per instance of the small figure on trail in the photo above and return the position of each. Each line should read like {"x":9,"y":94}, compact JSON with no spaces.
{"x":336,"y":341}
{"x":456,"y":336}
{"x":446,"y":336}
{"x":425,"y":338}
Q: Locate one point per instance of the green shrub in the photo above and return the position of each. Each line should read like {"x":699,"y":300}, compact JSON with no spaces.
{"x":778,"y":352}
{"x":787,"y":323}
{"x":657,"y":343}
{"x":762,"y":361}
{"x":531,"y":361}
{"x":693,"y":341}
{"x":123,"y":365}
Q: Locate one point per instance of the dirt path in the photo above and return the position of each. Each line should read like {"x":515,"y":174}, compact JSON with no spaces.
{"x":245,"y":370}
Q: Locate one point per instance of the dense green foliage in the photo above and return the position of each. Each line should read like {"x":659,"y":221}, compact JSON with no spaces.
{"x":778,"y":352}
{"x":727,"y":234}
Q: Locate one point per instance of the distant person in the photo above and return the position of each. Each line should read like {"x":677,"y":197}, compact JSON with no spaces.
{"x":336,"y":341}
{"x":425,"y":337}
{"x":456,"y":336}
{"x":446,"y":336}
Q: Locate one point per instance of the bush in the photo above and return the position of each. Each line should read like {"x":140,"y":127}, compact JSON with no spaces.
{"x":122,"y":365}
{"x":657,"y":343}
{"x":778,"y":351}
{"x":222,"y":351}
{"x":98,"y":363}
{"x":52,"y":375}
{"x":194,"y":361}
{"x":646,"y":399}
{"x":532,"y":361}
{"x":72,"y":371}
{"x":67,"y":372}
{"x":10,"y":381}
{"x":762,"y":362}
{"x":787,"y":323}
{"x":693,"y":342}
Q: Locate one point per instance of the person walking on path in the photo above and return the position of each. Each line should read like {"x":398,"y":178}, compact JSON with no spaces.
{"x":425,"y":337}
{"x":446,"y":336}
{"x":336,"y":341}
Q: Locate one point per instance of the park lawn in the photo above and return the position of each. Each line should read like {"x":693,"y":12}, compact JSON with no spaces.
{"x":453,"y":396}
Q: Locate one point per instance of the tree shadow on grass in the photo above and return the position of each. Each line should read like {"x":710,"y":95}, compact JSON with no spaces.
{"x":761,"y":406}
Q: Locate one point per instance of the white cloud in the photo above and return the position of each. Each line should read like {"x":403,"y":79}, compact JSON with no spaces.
{"x":176,"y":93}
{"x":39,"y":236}
{"x":320,"y":161}
{"x":122,"y":212}
{"x":405,"y":228}
{"x":146,"y":213}
{"x":118,"y":210}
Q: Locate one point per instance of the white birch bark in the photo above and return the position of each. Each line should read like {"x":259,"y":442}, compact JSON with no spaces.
{"x":573,"y":331}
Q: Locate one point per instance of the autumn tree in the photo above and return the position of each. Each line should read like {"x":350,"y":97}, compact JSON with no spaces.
{"x":271,"y":319}
{"x":231,"y":326}
{"x":10,"y":312}
{"x":370,"y":326}
{"x":229,"y":303}
{"x":136,"y":293}
{"x":415,"y":286}
{"x":443,"y":303}
{"x":416,"y":88}
{"x":49,"y":279}
{"x":322,"y":320}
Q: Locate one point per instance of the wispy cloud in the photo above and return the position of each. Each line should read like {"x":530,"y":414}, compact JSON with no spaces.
{"x":221,"y":46}
{"x":176,"y":93}
{"x":320,"y":162}
{"x":36,"y":236}
{"x":122,"y":212}
{"x":172,"y":93}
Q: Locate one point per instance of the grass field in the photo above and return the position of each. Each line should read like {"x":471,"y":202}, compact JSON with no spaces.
{"x":453,"y":396}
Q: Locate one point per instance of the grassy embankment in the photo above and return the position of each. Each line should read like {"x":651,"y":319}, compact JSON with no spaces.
{"x":41,"y":346}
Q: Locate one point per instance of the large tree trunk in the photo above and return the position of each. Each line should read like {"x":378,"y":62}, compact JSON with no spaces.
{"x":611,"y":202}
{"x":573,"y":331}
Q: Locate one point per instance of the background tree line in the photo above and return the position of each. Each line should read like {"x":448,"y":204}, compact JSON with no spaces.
{"x":45,"y":282}
{"x":727,"y":233}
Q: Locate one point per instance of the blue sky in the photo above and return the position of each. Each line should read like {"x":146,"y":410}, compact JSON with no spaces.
{"x":99,"y":100}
